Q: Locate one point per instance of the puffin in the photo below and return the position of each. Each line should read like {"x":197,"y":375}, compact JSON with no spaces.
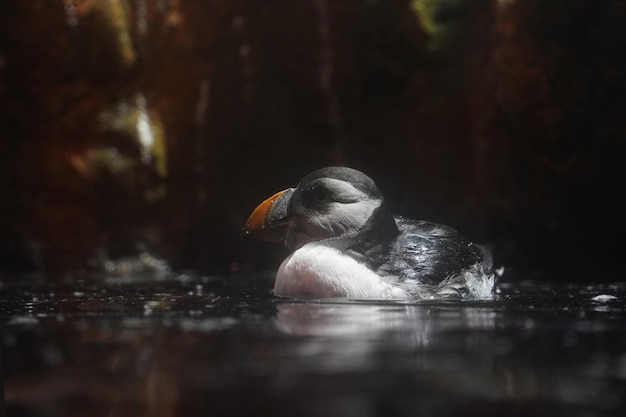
{"x":345,"y":242}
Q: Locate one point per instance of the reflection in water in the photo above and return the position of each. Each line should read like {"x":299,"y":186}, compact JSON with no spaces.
{"x":458,"y":351}
{"x":373,"y":321}
{"x":195,"y":349}
{"x":423,"y":341}
{"x":348,"y":336}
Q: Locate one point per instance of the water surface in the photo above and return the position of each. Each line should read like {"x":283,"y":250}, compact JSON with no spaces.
{"x":193,"y":346}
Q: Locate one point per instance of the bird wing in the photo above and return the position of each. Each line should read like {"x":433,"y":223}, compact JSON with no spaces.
{"x":430,"y":253}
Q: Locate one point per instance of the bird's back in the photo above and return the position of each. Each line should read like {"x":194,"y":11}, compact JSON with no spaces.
{"x":435,"y":257}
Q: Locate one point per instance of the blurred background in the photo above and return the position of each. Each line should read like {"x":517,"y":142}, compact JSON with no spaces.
{"x":140,"y":134}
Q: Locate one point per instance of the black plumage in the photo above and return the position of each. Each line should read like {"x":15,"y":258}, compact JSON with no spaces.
{"x":432,"y":253}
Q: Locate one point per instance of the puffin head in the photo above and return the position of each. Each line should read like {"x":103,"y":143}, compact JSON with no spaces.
{"x":328,"y":203}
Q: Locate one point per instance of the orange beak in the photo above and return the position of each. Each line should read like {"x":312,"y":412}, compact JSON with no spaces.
{"x":269,"y":220}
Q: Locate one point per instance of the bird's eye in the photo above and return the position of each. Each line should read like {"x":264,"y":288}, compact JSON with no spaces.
{"x":320,"y":195}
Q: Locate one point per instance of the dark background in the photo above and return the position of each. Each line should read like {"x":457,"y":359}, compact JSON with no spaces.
{"x":155,"y":126}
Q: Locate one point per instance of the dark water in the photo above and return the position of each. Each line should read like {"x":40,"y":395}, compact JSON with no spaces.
{"x":203,"y":346}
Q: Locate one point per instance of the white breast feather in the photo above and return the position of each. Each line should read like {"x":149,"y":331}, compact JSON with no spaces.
{"x":316,"y":270}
